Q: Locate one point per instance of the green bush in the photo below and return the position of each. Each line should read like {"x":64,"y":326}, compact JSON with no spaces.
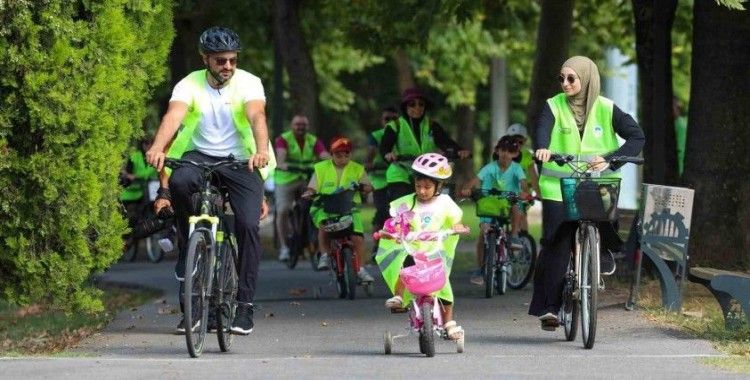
{"x":75,"y":80}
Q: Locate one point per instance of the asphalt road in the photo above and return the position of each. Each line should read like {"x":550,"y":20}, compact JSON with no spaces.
{"x":300,"y":336}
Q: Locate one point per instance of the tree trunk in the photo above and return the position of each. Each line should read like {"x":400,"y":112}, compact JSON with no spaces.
{"x":552,"y":40}
{"x":303,"y":81}
{"x":716,"y":160}
{"x":403,"y":68}
{"x":464,"y":169}
{"x":653,"y":31}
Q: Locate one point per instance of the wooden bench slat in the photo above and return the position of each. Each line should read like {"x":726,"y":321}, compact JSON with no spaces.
{"x":709,"y":273}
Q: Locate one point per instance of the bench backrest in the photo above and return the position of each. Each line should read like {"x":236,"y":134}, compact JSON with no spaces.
{"x":665,"y":214}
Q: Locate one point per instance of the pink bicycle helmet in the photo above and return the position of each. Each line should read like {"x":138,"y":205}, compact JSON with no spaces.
{"x":432,"y":165}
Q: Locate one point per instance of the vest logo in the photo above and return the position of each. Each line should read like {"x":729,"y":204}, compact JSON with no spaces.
{"x":566,"y":130}
{"x":598,"y":131}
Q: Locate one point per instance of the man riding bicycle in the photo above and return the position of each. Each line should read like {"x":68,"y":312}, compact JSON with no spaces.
{"x":300,"y":150}
{"x":412,"y":134}
{"x":222,"y":112}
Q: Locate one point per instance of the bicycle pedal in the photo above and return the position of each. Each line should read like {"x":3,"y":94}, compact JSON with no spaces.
{"x":399,"y":310}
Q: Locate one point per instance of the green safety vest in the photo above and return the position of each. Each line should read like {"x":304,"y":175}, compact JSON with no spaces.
{"x":328,"y":182}
{"x":377,"y":177}
{"x":406,"y":144}
{"x":202,"y":103}
{"x":598,"y":139}
{"x":141,"y":171}
{"x":391,"y":255}
{"x":303,"y":158}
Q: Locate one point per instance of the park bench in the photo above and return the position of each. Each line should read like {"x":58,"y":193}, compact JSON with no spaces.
{"x":726,"y":286}
{"x":663,"y":232}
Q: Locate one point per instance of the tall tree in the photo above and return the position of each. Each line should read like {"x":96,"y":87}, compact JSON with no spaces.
{"x":716,"y":159}
{"x":553,"y":39}
{"x":653,"y":30}
{"x":297,"y":58}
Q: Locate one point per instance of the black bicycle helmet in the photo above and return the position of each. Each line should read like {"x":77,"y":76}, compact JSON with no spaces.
{"x":218,"y":39}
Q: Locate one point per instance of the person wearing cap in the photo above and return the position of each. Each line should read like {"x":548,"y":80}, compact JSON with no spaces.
{"x":295,"y":149}
{"x":222,"y":113}
{"x":329,"y":177}
{"x":412,"y":134}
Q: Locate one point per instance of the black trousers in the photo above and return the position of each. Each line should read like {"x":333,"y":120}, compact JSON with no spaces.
{"x":558,"y":241}
{"x":380,"y":198}
{"x":245,"y":196}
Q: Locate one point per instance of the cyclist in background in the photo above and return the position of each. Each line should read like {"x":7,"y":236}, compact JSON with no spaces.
{"x":333,"y":175}
{"x":373,"y":164}
{"x":413,"y":134}
{"x":580,"y":122}
{"x":134,"y":178}
{"x":301,"y":149}
{"x":525,"y":158}
{"x":222,"y":112}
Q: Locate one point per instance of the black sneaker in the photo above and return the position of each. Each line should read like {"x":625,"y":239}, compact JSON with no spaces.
{"x":243,"y":321}
{"x":181,"y":326}
{"x":607,"y":263}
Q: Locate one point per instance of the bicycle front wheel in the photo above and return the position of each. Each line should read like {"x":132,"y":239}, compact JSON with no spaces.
{"x":196,"y":292}
{"x":350,"y":272}
{"x":153,"y":251}
{"x":426,"y":333}
{"x":589,"y":284}
{"x":522,"y":262}
{"x":227,"y":294}
{"x":488,"y":268}
{"x":294,"y":242}
{"x":569,"y":306}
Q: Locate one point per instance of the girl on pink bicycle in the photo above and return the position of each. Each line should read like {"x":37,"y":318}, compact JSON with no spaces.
{"x":424,"y":210}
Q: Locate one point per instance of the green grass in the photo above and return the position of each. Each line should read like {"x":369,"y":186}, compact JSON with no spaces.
{"x":38,"y":329}
{"x":702,"y":317}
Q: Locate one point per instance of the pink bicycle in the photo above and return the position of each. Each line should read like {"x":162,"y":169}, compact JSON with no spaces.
{"x":422,"y":280}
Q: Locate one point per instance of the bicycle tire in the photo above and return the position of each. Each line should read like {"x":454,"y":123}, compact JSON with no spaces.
{"x":340,"y":281}
{"x":227,"y":294}
{"x":426,"y":333}
{"x":589,"y":286}
{"x":488,"y":266}
{"x":350,"y":272}
{"x":569,"y":307}
{"x":523,"y":263}
{"x":129,"y":254}
{"x":196,"y":281}
{"x":153,"y":250}
{"x":294,"y":242}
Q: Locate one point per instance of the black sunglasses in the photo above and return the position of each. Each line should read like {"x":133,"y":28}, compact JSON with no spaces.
{"x":570,"y":78}
{"x":221,"y":61}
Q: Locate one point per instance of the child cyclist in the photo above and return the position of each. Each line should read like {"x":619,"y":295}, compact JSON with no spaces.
{"x":432,"y":211}
{"x":333,"y":175}
{"x":506,"y":175}
{"x":526,"y":159}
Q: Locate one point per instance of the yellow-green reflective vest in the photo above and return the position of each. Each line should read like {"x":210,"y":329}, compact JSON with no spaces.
{"x":301,"y":158}
{"x":329,"y":182}
{"x":142,"y":172}
{"x":202,"y":103}
{"x":406,"y":144}
{"x":377,"y":176}
{"x":598,"y":139}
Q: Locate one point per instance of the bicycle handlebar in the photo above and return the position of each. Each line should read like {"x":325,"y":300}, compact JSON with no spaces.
{"x":562,"y":159}
{"x":174,"y":163}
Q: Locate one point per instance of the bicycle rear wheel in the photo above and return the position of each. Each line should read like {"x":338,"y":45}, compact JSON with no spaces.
{"x":523,"y":262}
{"x":196,"y":293}
{"x":589,"y":285}
{"x":350,"y":272}
{"x":227,"y":294}
{"x":488,"y":268}
{"x":569,"y":306}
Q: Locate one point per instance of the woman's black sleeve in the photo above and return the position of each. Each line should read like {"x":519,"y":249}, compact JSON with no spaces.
{"x":442,"y":140}
{"x":628,"y":129}
{"x":387,"y":142}
{"x":544,"y":126}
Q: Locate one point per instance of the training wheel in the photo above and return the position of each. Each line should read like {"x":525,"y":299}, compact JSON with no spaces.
{"x":460,"y":345}
{"x":388,"y":342}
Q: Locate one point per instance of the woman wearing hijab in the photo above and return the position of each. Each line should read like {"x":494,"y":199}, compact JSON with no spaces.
{"x":580,"y":122}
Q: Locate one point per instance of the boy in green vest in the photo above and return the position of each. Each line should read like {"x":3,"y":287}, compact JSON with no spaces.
{"x":331,"y":176}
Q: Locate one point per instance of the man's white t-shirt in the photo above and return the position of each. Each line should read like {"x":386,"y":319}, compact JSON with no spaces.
{"x":216,"y":134}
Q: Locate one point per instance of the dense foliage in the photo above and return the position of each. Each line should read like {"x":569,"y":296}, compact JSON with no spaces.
{"x":74,"y":83}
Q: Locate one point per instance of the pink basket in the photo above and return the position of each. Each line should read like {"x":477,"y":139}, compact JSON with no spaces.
{"x":424,"y":277}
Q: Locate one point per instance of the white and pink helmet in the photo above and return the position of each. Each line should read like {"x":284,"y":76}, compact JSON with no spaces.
{"x":433,"y":165}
